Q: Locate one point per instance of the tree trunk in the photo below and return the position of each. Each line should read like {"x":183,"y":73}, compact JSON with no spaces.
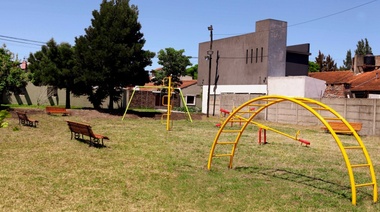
{"x":111,"y":97}
{"x":68,"y":105}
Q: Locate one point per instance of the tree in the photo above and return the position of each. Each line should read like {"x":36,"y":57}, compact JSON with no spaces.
{"x":319,"y":60}
{"x":54,"y":65}
{"x":325,"y":63}
{"x":347,"y":63}
{"x":363,"y":48}
{"x":193,"y":71}
{"x":330,"y":64}
{"x":12,"y":77}
{"x":174,"y":64}
{"x":110,"y":56}
{"x":313,"y":67}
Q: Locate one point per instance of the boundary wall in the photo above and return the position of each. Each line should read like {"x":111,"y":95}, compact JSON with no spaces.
{"x":366,"y":111}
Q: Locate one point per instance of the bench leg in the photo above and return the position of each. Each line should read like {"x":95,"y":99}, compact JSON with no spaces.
{"x":96,"y":140}
{"x":77,"y":136}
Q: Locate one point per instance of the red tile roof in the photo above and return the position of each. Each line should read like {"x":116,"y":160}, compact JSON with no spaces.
{"x":333,"y":77}
{"x":367,"y":81}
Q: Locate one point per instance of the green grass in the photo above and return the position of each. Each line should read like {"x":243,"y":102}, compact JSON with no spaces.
{"x":146,"y":168}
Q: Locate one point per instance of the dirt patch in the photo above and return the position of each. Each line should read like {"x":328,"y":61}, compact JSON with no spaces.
{"x":92,"y":113}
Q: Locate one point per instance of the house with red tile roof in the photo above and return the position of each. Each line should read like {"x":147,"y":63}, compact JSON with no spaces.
{"x":336,"y":83}
{"x":366,"y":85}
{"x":346,"y":84}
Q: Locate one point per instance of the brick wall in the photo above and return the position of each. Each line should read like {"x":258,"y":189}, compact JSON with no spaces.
{"x":334,"y":91}
{"x":149,"y":99}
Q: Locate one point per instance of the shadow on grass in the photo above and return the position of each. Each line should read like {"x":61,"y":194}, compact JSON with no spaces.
{"x":318,"y":183}
{"x":120,"y":112}
{"x":4,"y":107}
{"x":91,"y":143}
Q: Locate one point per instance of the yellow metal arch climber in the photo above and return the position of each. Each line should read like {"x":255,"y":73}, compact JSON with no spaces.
{"x":245,"y":116}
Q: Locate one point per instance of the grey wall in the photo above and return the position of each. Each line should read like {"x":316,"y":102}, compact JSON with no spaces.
{"x":38,"y":95}
{"x":366,"y":111}
{"x":246,"y":59}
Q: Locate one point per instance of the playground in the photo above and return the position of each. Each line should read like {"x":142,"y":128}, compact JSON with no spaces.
{"x":144,"y":167}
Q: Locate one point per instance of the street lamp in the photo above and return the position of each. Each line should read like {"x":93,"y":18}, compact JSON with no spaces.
{"x":209,"y":57}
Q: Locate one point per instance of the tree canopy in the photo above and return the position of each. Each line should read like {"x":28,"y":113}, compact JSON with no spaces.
{"x":12,"y":77}
{"x":313,"y":67}
{"x":325,"y":63}
{"x":347,"y":63}
{"x":54,"y":65}
{"x":174,"y":64}
{"x":363,"y":47}
{"x":110,"y":55}
{"x":192,"y":71}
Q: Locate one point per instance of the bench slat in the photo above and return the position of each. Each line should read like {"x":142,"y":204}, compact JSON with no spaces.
{"x":57,"y":110}
{"x":340,"y":127}
{"x":85,"y":129}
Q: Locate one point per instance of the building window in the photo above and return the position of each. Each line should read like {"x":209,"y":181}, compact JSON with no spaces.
{"x":251,"y":55}
{"x":257,"y":53}
{"x":52,"y":91}
{"x":190,"y":100}
{"x":246,"y":56}
{"x":262,"y":53}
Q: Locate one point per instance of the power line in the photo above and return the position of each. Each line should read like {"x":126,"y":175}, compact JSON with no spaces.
{"x":336,"y":13}
{"x":21,"y":40}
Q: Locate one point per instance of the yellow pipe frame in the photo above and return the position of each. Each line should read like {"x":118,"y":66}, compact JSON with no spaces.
{"x":168,"y":114}
{"x":169,"y":110}
{"x":303,"y":102}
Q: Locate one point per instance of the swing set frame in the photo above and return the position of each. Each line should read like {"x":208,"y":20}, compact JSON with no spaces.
{"x":169,"y":105}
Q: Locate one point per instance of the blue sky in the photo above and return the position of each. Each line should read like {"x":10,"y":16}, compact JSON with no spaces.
{"x":333,"y":27}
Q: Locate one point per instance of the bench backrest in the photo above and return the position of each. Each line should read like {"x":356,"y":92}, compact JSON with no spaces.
{"x":83,"y":129}
{"x":342,"y":127}
{"x":22,"y":116}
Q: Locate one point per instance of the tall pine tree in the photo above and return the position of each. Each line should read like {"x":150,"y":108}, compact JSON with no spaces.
{"x":363,"y":47}
{"x":110,"y":55}
{"x":54,"y":65}
{"x":347,"y":63}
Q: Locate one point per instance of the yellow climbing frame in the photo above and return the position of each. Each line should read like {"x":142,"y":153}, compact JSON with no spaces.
{"x":245,"y":116}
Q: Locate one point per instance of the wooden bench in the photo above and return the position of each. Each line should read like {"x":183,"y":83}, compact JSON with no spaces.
{"x":57,"y":110}
{"x":78,"y":130}
{"x":25,"y":120}
{"x":340,"y":127}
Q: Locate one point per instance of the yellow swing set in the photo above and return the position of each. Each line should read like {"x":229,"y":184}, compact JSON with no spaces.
{"x":169,"y":123}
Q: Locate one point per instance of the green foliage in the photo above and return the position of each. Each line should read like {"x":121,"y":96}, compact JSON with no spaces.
{"x":363,"y":47}
{"x":193,"y":71}
{"x":54,"y":65}
{"x":12,"y":77}
{"x":313,"y":67}
{"x":3,"y":114}
{"x":191,"y":109}
{"x":325,"y":63}
{"x":347,"y":63}
{"x":174,"y":64}
{"x":110,"y":56}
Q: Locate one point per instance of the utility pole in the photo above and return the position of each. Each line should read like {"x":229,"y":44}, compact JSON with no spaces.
{"x":209,"y":57}
{"x":216,"y":80}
